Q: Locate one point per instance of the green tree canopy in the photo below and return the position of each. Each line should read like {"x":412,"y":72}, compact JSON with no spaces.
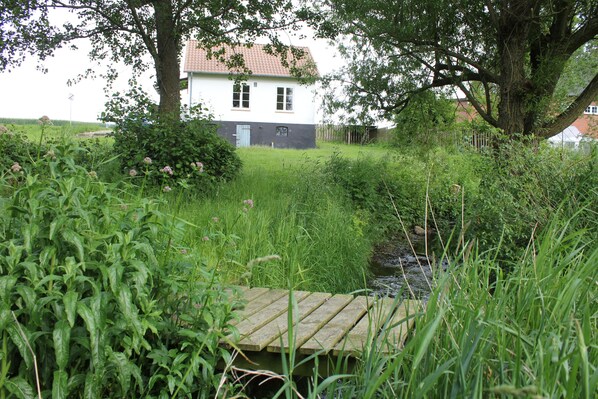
{"x":129,"y":30}
{"x":506,"y":56}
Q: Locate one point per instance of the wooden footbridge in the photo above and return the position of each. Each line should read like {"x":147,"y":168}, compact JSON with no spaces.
{"x":323,"y":326}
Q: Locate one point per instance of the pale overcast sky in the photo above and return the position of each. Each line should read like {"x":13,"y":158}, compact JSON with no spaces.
{"x":26,"y":92}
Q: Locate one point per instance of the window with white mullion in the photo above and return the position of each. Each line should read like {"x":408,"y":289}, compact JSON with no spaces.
{"x":284,"y":98}
{"x":240,"y":95}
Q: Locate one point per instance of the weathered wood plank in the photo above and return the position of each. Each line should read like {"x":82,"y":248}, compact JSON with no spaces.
{"x":400,"y":326}
{"x":366,"y":328}
{"x":313,"y":323}
{"x":259,"y":302}
{"x":268,"y":313}
{"x":251,"y":293}
{"x":272,"y":331}
{"x":335,"y":329}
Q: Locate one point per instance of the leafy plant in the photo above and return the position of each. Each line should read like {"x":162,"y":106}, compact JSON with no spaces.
{"x":95,"y":294}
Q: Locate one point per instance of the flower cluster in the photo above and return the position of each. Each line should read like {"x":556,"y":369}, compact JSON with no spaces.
{"x":147,"y":160}
{"x":51,"y":154}
{"x":167,"y":189}
{"x":198,"y":166}
{"x":167,"y":169}
{"x":132,"y":173}
{"x":44,"y":121}
{"x":248,"y":205}
{"x":15,"y":168}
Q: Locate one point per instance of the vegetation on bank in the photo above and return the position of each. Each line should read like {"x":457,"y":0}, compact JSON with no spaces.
{"x":514,"y":315}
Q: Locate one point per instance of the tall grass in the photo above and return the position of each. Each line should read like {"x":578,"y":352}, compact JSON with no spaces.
{"x":530,"y":333}
{"x":296,"y":216}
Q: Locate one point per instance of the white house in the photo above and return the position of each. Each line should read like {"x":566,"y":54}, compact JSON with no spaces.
{"x":269,"y":108}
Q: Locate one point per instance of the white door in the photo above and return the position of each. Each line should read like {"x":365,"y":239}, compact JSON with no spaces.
{"x":243,"y":135}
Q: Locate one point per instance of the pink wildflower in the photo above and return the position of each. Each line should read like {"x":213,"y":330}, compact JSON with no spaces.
{"x":249,"y":203}
{"x":198,"y":166}
{"x":167,"y":189}
{"x":132,"y":173}
{"x":205,"y":238}
{"x":147,"y":160}
{"x":167,"y":169}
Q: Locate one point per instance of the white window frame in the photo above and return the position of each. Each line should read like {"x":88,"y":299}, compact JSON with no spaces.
{"x":285,"y":99}
{"x":241,"y":96}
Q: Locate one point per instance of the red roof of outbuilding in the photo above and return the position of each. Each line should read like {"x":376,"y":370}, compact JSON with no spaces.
{"x":257,"y":60}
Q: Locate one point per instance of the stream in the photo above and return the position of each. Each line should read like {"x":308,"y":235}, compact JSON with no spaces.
{"x":398,"y":271}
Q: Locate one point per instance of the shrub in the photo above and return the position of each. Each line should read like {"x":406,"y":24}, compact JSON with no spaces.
{"x":92,"y":285}
{"x":148,"y":142}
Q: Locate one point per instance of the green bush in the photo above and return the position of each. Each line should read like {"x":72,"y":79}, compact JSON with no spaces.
{"x":165,"y":148}
{"x":523,"y":188}
{"x":95,"y":293}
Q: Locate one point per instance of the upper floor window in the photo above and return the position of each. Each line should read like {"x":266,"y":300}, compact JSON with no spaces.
{"x":240,"y":95}
{"x":592,"y":110}
{"x":284,"y":98}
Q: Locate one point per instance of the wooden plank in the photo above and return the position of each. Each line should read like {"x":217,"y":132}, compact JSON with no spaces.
{"x":396,"y":335}
{"x":313,"y":323}
{"x":325,"y":339}
{"x":259,"y":302}
{"x":268,"y":313}
{"x":272,"y":331}
{"x":367,"y":328}
{"x":251,"y":293}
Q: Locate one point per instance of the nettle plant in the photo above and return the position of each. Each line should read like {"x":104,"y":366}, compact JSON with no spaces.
{"x":96,"y":299}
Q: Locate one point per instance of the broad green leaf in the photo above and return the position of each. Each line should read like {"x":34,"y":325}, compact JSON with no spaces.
{"x":59,"y":385}
{"x":20,"y":388}
{"x":92,"y":387}
{"x":20,"y":343}
{"x":56,"y":226}
{"x":28,"y":295}
{"x":5,"y":316}
{"x":70,"y":306}
{"x":46,"y":256}
{"x":75,"y":239}
{"x":92,"y":328}
{"x":7,"y":283}
{"x":62,"y":341}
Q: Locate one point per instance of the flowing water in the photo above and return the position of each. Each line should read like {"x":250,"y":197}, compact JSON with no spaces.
{"x":398,"y":271}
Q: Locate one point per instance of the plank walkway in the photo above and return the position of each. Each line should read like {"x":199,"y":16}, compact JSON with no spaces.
{"x":322,"y":324}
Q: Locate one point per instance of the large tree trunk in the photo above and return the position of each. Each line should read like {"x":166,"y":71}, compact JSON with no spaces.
{"x":514,"y":86}
{"x":167,"y":63}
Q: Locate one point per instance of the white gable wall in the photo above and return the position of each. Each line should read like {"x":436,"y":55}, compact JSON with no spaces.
{"x":215,"y":92}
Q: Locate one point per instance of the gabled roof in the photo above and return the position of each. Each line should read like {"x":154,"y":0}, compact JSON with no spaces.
{"x":257,"y":60}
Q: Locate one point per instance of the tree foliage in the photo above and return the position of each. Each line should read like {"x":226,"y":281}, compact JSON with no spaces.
{"x":506,"y":56}
{"x":130,"y":30}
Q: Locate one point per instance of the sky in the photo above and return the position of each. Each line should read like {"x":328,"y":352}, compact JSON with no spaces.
{"x":27,"y":92}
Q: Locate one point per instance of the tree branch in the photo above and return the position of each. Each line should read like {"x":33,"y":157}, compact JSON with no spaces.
{"x":562,"y":121}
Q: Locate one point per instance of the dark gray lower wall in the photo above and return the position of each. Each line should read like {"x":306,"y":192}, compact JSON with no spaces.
{"x":299,"y":135}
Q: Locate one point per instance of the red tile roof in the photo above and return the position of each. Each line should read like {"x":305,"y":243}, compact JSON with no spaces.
{"x":257,"y":60}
